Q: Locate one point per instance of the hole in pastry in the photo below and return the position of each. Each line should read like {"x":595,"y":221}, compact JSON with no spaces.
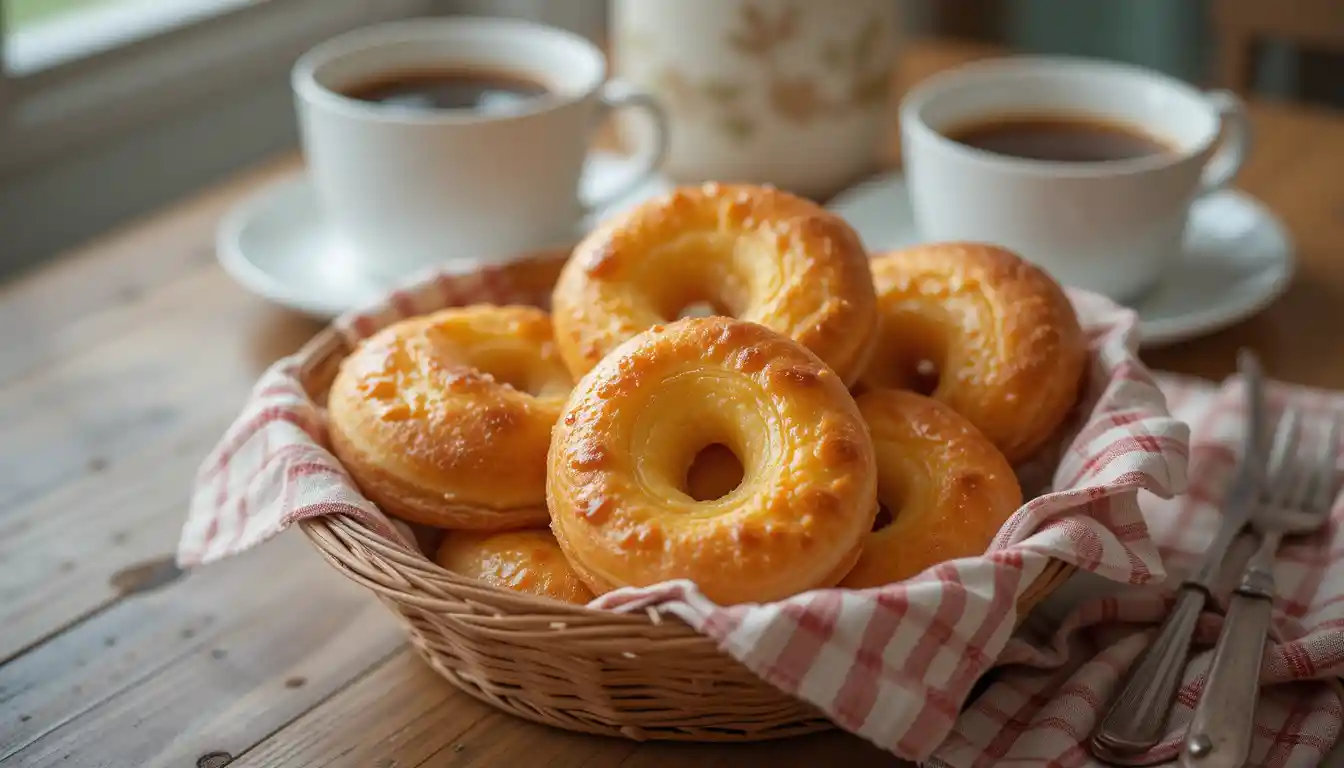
{"x":707,"y":296}
{"x":698,"y":309}
{"x":892,"y":493}
{"x":924,"y":377}
{"x":884,"y":517}
{"x":513,"y":379}
{"x":916,"y":346}
{"x":714,"y":473}
{"x":508,"y":367}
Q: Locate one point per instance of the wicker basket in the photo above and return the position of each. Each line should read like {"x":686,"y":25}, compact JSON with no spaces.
{"x":641,"y":676}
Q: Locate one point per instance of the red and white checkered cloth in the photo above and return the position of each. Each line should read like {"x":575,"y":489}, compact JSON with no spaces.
{"x":1042,"y":705}
{"x":897,"y":664}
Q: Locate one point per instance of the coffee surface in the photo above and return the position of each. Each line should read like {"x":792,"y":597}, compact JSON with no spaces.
{"x":1059,"y":138}
{"x":488,"y":91}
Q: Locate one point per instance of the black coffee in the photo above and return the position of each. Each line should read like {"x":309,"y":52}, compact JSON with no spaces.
{"x":427,"y":90}
{"x":1061,"y":138}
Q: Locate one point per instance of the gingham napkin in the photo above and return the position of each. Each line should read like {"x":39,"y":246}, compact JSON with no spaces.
{"x":895,"y":664}
{"x":1041,"y":707}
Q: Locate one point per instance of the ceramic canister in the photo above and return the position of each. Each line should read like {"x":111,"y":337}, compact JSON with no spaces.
{"x":786,"y":92}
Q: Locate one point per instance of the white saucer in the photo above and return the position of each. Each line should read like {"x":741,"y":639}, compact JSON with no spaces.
{"x":1237,"y":259}
{"x":277,"y":243}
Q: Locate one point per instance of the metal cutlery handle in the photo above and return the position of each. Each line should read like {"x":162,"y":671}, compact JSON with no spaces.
{"x":1220,"y":733}
{"x":1136,"y":717}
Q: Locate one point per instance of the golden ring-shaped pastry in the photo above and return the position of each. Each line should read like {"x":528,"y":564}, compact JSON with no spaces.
{"x":753,"y":253}
{"x":948,"y":489}
{"x":445,"y":419}
{"x":524,"y":561}
{"x":983,"y":331}
{"x":633,"y":426}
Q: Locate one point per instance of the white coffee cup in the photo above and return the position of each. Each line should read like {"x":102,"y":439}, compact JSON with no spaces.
{"x":1111,"y":227}
{"x":456,"y":188}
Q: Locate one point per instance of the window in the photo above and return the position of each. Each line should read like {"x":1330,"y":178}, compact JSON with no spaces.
{"x":45,"y":33}
{"x":78,"y":71}
{"x":112,"y":109}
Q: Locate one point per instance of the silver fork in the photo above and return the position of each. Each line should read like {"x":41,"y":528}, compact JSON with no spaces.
{"x":1297,"y":498}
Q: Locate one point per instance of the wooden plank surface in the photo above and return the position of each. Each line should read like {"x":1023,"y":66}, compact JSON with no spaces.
{"x":400,"y":714}
{"x":104,"y":441}
{"x":120,"y":366}
{"x":213,"y":662}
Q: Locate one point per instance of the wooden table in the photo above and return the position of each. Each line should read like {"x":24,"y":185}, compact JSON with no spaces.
{"x":124,"y":362}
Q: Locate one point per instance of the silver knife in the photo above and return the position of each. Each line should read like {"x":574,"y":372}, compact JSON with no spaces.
{"x":1137,"y":715}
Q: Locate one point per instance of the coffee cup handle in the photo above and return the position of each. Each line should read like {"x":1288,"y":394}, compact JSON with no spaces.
{"x":1235,"y":145}
{"x":618,"y":95}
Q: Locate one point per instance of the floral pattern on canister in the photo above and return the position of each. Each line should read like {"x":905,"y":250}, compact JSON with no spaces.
{"x":764,"y":40}
{"x":793,"y":93}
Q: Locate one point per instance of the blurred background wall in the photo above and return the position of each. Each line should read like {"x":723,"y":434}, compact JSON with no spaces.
{"x":240,"y":112}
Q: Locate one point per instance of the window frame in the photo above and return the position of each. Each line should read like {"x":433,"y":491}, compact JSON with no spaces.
{"x":76,"y":104}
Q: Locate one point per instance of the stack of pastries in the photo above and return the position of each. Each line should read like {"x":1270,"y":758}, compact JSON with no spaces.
{"x":834,"y":420}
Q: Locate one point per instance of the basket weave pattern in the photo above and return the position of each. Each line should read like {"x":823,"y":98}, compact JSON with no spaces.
{"x":637,"y":675}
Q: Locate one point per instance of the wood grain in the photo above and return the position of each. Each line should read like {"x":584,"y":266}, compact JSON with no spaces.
{"x":214,"y":662}
{"x":1316,"y":23}
{"x":184,"y":353}
{"x":122,"y":365}
{"x":401,"y":714}
{"x":125,"y":514}
{"x":113,"y":461}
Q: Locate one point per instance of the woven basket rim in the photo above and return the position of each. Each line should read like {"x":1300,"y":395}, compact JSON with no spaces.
{"x":332,"y":534}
